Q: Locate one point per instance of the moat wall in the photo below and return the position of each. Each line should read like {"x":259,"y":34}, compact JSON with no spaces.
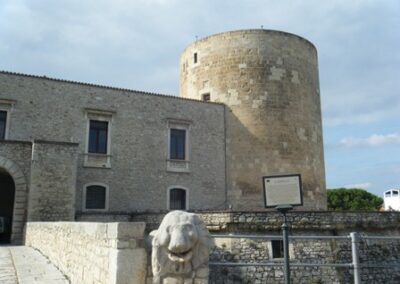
{"x":321,"y":223}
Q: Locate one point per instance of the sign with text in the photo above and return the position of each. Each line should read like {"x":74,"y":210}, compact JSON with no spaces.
{"x":282,"y":190}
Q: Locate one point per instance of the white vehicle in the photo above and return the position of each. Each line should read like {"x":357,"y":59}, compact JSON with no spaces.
{"x":391,"y":199}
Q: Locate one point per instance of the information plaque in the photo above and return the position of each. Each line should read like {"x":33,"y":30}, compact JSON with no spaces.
{"x":282,"y":190}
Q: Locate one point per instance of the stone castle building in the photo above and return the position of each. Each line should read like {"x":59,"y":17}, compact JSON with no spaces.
{"x":249,"y":106}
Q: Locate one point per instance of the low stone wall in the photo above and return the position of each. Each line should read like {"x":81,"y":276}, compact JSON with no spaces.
{"x":326,"y":222}
{"x":108,"y":253}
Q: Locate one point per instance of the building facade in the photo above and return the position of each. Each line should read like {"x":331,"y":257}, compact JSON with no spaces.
{"x":391,"y":199}
{"x":248,"y":107}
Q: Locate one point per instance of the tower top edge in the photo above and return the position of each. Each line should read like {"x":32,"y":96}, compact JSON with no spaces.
{"x":250,"y":31}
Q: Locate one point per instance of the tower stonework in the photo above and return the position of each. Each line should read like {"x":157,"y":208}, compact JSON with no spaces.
{"x":268,"y":81}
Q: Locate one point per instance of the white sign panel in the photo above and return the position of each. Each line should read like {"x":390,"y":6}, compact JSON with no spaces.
{"x":282,"y":190}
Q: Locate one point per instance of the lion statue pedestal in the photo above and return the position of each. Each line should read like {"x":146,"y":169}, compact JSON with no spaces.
{"x":180,"y":250}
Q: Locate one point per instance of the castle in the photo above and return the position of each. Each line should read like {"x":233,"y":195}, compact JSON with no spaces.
{"x":249,"y":106}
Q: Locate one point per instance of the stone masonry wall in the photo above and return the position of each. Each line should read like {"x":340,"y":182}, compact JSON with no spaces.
{"x":15,"y":160}
{"x":304,"y":251}
{"x":268,"y":81}
{"x":372,"y":252}
{"x":137,"y":177}
{"x":53,"y":181}
{"x":108,"y":253}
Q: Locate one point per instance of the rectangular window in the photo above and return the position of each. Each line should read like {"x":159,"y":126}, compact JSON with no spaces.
{"x":177,"y":144}
{"x":98,"y":135}
{"x":395,"y":193}
{"x":95,"y":197}
{"x":177,"y":199}
{"x":3,"y":124}
{"x":206,"y":97}
{"x":195,"y":57}
{"x":277,"y":248}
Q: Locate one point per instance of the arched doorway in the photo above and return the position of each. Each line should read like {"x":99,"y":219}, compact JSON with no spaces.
{"x":7,"y":195}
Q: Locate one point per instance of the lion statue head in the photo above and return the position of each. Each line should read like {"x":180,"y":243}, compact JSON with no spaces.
{"x":180,"y":246}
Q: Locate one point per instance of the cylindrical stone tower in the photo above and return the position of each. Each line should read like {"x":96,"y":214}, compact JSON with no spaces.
{"x":268,"y":81}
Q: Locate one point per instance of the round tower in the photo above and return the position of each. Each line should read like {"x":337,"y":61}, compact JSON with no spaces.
{"x":268,"y":81}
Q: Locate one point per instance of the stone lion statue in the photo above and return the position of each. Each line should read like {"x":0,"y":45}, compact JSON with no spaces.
{"x":180,"y":247}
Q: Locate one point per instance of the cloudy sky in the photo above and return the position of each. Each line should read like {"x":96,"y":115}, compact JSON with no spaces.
{"x":136,"y":44}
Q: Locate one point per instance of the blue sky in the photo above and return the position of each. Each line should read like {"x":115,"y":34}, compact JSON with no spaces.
{"x":136,"y":45}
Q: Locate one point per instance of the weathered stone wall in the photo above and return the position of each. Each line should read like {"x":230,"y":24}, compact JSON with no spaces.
{"x":326,"y":222}
{"x":269,"y":82}
{"x":138,"y":178}
{"x":108,"y":253}
{"x":372,"y":252}
{"x":305,"y":251}
{"x":15,"y":159}
{"x":53,"y":181}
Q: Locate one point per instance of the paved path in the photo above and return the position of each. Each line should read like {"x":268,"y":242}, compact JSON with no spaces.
{"x":24,"y":265}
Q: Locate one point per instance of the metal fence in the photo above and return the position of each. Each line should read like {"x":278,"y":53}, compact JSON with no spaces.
{"x":354,"y":237}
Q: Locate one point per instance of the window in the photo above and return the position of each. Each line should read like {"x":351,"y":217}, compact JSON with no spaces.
{"x":177,"y":150}
{"x":387,"y":193}
{"x":177,"y":199}
{"x":6,"y":107}
{"x":3,"y":124}
{"x":195,"y":57}
{"x":206,"y":97}
{"x":98,"y":136}
{"x":178,"y":157}
{"x":95,"y":197}
{"x":395,"y":193}
{"x":277,"y":248}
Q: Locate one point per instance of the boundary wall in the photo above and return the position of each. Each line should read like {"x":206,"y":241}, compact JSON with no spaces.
{"x":109,"y":253}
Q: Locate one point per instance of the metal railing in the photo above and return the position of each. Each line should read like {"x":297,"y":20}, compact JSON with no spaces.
{"x":354,"y":238}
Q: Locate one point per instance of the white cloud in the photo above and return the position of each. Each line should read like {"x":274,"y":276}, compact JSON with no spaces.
{"x":373,"y":140}
{"x":365,"y":185}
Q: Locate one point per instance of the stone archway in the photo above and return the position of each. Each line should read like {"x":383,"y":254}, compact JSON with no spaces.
{"x":20,"y":198}
{"x":7,"y":193}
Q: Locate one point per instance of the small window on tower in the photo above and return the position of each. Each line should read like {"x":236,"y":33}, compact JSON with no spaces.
{"x":206,"y":97}
{"x":195,"y":57}
{"x":395,"y":193}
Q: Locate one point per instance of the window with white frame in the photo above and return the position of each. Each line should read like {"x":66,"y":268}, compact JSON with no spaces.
{"x":275,"y":250}
{"x":3,"y":124}
{"x":5,"y":109}
{"x":95,"y":197}
{"x":177,"y":198}
{"x":98,"y":138}
{"x":178,"y":146}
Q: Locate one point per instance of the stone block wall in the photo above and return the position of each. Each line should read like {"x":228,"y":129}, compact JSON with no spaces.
{"x":319,"y":223}
{"x":15,"y":160}
{"x":372,"y":252}
{"x":137,"y":177}
{"x":53,"y":181}
{"x":108,"y":253}
{"x":268,"y":81}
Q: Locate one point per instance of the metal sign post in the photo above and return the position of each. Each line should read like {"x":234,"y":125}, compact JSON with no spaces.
{"x":285,"y":233}
{"x":282,"y":193}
